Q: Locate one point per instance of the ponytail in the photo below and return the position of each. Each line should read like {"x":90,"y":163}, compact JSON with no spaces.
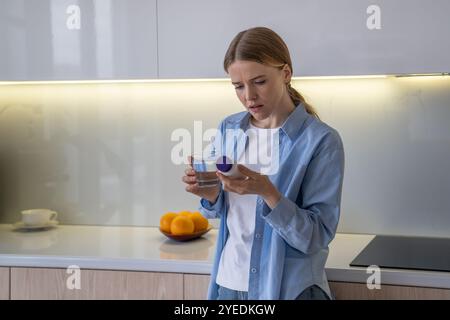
{"x":297,"y":98}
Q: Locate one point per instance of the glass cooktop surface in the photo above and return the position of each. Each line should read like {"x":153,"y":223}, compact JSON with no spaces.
{"x":401,"y":252}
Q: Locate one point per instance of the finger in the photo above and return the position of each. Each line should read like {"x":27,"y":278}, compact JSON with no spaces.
{"x":193,"y":188}
{"x":227,"y":188}
{"x":235,"y":189}
{"x":188,"y":179}
{"x":234,"y":185}
{"x":189,"y":172}
{"x":223,"y":178}
{"x":229,"y":180}
{"x":247,"y":172}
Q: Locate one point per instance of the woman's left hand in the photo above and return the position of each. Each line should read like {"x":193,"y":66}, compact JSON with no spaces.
{"x":253,"y":183}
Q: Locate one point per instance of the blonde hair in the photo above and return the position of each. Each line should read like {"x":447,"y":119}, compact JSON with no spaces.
{"x":264,"y":46}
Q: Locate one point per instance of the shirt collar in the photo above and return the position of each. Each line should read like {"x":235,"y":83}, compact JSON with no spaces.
{"x":291,"y":126}
{"x":294,"y":122}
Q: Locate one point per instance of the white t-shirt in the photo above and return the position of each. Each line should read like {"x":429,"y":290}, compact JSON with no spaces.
{"x":234,"y":265}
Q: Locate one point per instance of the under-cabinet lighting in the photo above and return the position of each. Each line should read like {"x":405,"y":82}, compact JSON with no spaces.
{"x":131,"y":81}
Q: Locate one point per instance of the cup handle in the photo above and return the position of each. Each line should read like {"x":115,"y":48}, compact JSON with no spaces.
{"x":54,"y":215}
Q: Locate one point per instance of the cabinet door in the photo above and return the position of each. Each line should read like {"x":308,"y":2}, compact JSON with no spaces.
{"x":4,"y":283}
{"x":74,"y":40}
{"x":352,"y":37}
{"x":325,"y":37}
{"x":193,"y":36}
{"x":41,"y":283}
{"x":196,"y":286}
{"x":359,"y":291}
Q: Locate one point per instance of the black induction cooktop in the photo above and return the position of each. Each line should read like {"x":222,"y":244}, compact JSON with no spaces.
{"x":400,"y":252}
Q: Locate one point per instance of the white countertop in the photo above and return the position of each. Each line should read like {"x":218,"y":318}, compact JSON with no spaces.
{"x":146,"y":249}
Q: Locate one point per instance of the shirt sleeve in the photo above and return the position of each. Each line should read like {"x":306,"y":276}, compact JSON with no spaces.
{"x":208,"y":209}
{"x":310,"y":223}
{"x":213,"y":210}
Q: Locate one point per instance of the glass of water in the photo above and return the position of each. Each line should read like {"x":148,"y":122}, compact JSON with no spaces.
{"x":205,"y":170}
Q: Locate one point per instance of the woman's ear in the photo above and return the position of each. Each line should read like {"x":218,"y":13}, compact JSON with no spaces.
{"x":287,"y":73}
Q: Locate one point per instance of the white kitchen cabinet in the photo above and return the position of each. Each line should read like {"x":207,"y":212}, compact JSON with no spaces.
{"x":40,"y":40}
{"x":325,"y":37}
{"x":333,"y":37}
{"x":194,"y":35}
{"x":74,"y":40}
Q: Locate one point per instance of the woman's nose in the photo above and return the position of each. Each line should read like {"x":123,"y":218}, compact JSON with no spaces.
{"x":250,"y":94}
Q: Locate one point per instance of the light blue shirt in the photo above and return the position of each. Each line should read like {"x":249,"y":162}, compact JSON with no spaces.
{"x":290,"y":245}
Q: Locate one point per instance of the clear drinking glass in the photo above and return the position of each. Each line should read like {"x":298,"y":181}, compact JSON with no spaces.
{"x":205,"y":170}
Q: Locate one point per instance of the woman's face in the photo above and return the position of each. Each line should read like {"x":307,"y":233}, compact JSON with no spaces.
{"x":260,"y":88}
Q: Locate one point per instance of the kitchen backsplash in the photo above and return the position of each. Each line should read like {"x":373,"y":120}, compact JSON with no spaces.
{"x":100,"y":154}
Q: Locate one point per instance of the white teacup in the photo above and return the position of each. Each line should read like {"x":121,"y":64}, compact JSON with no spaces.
{"x":38,"y":217}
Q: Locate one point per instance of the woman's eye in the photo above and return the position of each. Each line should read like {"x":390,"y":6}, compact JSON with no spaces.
{"x":256,"y":82}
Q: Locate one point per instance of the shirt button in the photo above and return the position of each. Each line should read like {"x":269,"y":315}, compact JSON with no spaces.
{"x":253,"y":270}
{"x":257,"y":236}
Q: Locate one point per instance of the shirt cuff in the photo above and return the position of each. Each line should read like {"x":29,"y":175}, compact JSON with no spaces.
{"x":212,"y":210}
{"x":280,"y":217}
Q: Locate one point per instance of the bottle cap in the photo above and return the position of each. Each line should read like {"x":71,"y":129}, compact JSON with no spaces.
{"x":224,"y":164}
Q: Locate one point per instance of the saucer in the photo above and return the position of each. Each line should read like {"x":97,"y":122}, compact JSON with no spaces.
{"x":21,"y":226}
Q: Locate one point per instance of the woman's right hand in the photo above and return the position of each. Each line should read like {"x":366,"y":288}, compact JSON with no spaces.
{"x":210,"y":193}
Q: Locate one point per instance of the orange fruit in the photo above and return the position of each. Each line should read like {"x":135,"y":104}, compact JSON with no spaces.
{"x":200,"y":222}
{"x":182,"y":225}
{"x":166,"y":221}
{"x":185,"y":213}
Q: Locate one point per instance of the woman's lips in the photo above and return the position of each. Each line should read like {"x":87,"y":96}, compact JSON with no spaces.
{"x":256,"y":108}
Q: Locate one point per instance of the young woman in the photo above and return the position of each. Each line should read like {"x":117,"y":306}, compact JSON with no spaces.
{"x":275,"y":228}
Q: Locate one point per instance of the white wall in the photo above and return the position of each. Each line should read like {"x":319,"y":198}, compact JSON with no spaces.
{"x":100,"y":154}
